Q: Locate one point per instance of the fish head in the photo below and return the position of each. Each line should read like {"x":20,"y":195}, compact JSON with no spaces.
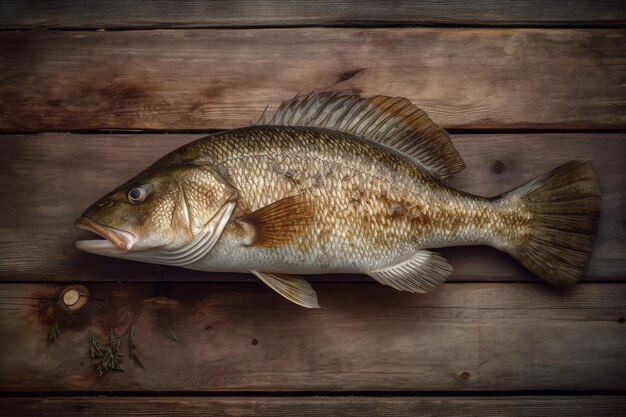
{"x":161,"y":211}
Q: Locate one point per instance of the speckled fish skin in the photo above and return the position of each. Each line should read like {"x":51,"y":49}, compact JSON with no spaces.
{"x":373,"y":206}
{"x":338,"y":183}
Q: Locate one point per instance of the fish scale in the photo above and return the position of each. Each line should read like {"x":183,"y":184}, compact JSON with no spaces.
{"x":354,"y":199}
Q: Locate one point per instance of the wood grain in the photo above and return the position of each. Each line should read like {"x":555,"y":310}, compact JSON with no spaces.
{"x":220,"y":78}
{"x":509,"y":406}
{"x":244,"y":337}
{"x":15,"y":14}
{"x":49,"y":179}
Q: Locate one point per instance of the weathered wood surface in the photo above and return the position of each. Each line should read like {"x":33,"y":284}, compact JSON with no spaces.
{"x":244,"y":337}
{"x":525,"y":406}
{"x":221,"y":78}
{"x":15,"y":14}
{"x":49,"y":179}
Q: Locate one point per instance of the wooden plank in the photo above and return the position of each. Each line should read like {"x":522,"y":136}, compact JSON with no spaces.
{"x":509,"y":406}
{"x":193,"y":13}
{"x":367,"y":337}
{"x":49,"y":179}
{"x":214,"y":79}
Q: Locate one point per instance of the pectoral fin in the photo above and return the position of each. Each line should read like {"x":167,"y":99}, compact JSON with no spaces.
{"x":293,"y":287}
{"x":421,"y":273}
{"x":279,"y":223}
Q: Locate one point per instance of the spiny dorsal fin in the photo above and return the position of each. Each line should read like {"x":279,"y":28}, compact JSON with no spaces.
{"x":423,"y":272}
{"x":392,"y":121}
{"x":278,"y":223}
{"x":293,"y":287}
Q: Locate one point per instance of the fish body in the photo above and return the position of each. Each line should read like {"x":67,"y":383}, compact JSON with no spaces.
{"x":335,"y":183}
{"x":372,"y":206}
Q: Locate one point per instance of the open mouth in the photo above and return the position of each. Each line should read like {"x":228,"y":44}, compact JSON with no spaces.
{"x":115,"y":240}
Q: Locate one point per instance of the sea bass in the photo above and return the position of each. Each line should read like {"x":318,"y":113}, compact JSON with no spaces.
{"x":338,"y":183}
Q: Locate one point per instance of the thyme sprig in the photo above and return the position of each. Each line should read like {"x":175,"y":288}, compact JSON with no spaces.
{"x":54,"y":332}
{"x":171,"y":335}
{"x":109,"y":356}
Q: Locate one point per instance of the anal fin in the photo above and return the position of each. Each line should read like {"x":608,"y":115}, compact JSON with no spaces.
{"x":293,"y":287}
{"x":421,"y":273}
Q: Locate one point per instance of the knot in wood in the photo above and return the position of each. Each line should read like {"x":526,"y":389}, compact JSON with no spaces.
{"x":497,"y":167}
{"x":73,"y":298}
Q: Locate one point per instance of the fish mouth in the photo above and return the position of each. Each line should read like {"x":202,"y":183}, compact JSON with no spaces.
{"x":115,"y":241}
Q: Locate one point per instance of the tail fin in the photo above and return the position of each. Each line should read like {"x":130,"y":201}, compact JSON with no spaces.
{"x":564,"y":207}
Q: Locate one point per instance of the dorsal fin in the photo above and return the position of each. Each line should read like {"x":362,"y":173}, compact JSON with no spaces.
{"x":392,"y":121}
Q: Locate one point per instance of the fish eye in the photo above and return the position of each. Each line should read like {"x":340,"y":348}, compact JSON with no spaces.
{"x":138,"y":194}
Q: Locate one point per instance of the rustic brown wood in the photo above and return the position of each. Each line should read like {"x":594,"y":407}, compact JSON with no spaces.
{"x":49,"y":179}
{"x":244,"y":337}
{"x":529,"y":406}
{"x":15,"y":14}
{"x":208,"y":79}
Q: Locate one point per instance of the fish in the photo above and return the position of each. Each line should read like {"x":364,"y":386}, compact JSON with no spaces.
{"x":338,"y":183}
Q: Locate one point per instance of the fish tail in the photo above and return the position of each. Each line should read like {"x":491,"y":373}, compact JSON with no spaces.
{"x":562,"y":209}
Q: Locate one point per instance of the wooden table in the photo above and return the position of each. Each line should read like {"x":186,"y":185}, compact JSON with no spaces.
{"x":92,"y":91}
